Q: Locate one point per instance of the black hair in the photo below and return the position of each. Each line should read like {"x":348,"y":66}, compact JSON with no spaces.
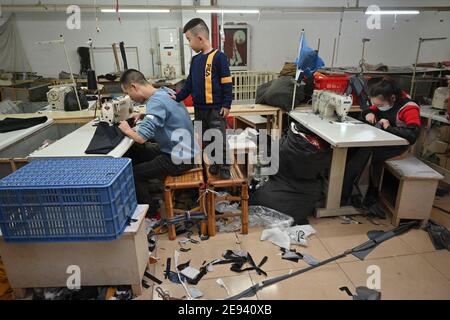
{"x":132,"y":76}
{"x":196,"y":26}
{"x":386,"y":88}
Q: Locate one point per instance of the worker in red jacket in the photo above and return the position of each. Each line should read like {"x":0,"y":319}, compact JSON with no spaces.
{"x":392,"y":110}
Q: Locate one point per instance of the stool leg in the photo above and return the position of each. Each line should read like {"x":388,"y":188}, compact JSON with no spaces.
{"x":244,"y":208}
{"x":169,"y":212}
{"x":203,"y":227}
{"x":211,"y":214}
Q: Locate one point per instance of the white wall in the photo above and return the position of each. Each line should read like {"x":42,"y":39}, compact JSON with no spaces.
{"x":274,"y":36}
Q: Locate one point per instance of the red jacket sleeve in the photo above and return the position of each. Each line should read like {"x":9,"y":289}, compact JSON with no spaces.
{"x":410,"y":115}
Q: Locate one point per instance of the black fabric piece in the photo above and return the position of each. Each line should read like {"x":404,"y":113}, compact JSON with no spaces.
{"x":439,"y":235}
{"x":183,"y":266}
{"x":298,"y":200}
{"x":13,"y":124}
{"x":280,"y":92}
{"x":124,"y":55}
{"x":145,"y":284}
{"x":239,"y":261}
{"x":357,"y":85}
{"x":202,"y":273}
{"x":71,"y":102}
{"x":152,"y":277}
{"x":168,"y":263}
{"x":185,"y":250}
{"x":298,"y":256}
{"x":85,"y":59}
{"x":297,"y":186}
{"x":105,"y":139}
{"x":108,"y":76}
{"x":91,"y":80}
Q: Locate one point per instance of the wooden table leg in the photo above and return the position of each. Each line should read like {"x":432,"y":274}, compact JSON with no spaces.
{"x":211,"y":214}
{"x":335,"y":182}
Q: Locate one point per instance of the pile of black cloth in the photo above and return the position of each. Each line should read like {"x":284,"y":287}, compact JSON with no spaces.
{"x":297,"y":186}
{"x":13,"y":124}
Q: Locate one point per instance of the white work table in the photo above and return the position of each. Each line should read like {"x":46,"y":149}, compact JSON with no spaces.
{"x":342,"y":136}
{"x":9,"y":138}
{"x":434,"y":114}
{"x":76,"y":143}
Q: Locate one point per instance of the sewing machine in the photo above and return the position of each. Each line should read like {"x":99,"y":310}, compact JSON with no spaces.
{"x":330,"y":103}
{"x":56,"y":96}
{"x":114,"y":111}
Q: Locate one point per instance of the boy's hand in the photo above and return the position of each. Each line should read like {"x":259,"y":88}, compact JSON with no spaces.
{"x":124,"y":127}
{"x":224,"y":112}
{"x":174,"y":97}
{"x":385,"y":123}
{"x":370,"y":117}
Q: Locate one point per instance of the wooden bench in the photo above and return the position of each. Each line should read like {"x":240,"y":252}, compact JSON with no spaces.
{"x":214,"y":182}
{"x":192,"y":179}
{"x":407,"y":188}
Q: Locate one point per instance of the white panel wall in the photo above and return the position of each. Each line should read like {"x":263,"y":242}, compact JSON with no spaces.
{"x":274,"y":35}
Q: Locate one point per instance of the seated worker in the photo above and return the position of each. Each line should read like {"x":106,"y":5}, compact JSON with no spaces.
{"x":394,"y":111}
{"x":168,"y":124}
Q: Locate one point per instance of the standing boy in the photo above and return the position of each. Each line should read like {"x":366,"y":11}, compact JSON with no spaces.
{"x":210,"y":84}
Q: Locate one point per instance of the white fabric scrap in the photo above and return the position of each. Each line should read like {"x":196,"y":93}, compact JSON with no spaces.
{"x":190,"y":272}
{"x":287,"y":236}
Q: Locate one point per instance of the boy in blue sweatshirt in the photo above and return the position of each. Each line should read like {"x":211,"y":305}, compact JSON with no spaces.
{"x":210,"y":84}
{"x":167,"y":123}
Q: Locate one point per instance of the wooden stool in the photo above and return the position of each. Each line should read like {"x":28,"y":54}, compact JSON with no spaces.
{"x":192,"y":179}
{"x":236,"y":180}
{"x":407,"y":188}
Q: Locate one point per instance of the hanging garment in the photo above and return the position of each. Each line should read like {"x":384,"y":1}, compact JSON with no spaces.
{"x":85,"y":59}
{"x":13,"y":124}
{"x":105,"y":139}
{"x":124,"y":55}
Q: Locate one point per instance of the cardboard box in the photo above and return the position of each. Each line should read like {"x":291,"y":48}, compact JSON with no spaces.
{"x":438,"y":146}
{"x":444,"y":133}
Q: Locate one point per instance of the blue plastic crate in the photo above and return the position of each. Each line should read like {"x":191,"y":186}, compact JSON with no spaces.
{"x":71,"y":199}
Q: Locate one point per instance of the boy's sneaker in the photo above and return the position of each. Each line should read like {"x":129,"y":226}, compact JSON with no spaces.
{"x":225,"y":173}
{"x":214,"y":169}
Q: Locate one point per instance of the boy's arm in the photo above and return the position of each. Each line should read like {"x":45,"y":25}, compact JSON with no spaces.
{"x":187,"y":88}
{"x":226,"y":82}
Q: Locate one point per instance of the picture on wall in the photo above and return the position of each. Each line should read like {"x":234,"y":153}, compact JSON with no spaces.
{"x":237,"y":46}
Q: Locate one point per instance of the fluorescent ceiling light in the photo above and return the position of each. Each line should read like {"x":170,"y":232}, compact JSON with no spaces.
{"x":137,"y":10}
{"x":225,"y":11}
{"x":392,"y":12}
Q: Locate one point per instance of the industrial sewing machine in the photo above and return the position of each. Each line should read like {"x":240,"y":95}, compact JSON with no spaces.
{"x":56,"y":96}
{"x":330,"y":103}
{"x":116,"y":110}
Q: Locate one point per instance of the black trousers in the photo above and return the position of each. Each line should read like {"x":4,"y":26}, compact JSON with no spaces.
{"x":150,"y":163}
{"x":357,"y":159}
{"x":212,"y":119}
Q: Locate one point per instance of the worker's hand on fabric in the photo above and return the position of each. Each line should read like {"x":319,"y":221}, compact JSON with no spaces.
{"x":370,"y":118}
{"x":124,"y":126}
{"x":384,"y":123}
{"x":224,"y":112}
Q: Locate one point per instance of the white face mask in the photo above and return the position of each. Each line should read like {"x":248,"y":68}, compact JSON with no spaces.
{"x":384,"y":108}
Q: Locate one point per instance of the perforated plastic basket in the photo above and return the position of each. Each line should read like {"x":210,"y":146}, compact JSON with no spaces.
{"x":74,"y":199}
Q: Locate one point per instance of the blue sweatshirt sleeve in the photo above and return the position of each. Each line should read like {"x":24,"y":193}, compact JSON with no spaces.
{"x":226,"y":81}
{"x":153,"y":120}
{"x":187,"y":88}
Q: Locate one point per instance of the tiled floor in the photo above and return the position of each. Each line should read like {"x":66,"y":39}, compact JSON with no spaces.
{"x":410,"y":267}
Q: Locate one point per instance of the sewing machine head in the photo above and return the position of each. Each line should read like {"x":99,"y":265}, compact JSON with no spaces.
{"x":56,"y":96}
{"x":116,"y":110}
{"x":329,"y":104}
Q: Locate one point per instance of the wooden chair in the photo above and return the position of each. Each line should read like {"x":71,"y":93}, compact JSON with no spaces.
{"x":192,"y":179}
{"x":214,"y":182}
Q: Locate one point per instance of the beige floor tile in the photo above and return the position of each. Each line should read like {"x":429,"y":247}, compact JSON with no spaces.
{"x":210,"y":288}
{"x":322,"y":283}
{"x":419,"y":240}
{"x":147,"y":294}
{"x":390,"y":248}
{"x":440,"y":260}
{"x":402,"y":277}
